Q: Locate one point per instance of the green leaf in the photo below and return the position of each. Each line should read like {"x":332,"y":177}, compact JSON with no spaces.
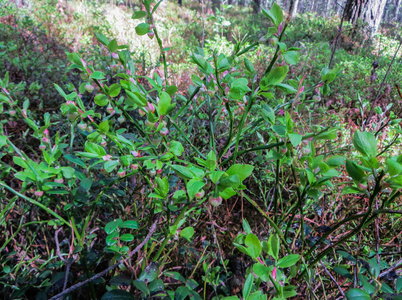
{"x":171,"y":90}
{"x":112,"y":46}
{"x":163,"y":185}
{"x":243,"y":171}
{"x":246,"y":226}
{"x":182,"y":171}
{"x":129,"y":224}
{"x":248,"y":285}
{"x":273,"y":243}
{"x":355,"y":171}
{"x":193,"y":187}
{"x":102,"y":39}
{"x":110,"y":165}
{"x":112,"y":226}
{"x":253,"y":245}
{"x":261,"y":271}
{"x":181,"y":293}
{"x":276,"y":11}
{"x":365,"y":143}
{"x":176,"y":148}
{"x":95,"y":149}
{"x":164,"y":103}
{"x":187,"y":233}
{"x":104,"y":126}
{"x":288,"y":89}
{"x":274,"y":77}
{"x":335,"y":161}
{"x":227,"y":193}
{"x":150,"y":273}
{"x":295,"y":139}
{"x":114,"y":90}
{"x":97,"y":75}
{"x":267,"y":113}
{"x":211,"y":161}
{"x":127,"y":237}
{"x":216,"y":175}
{"x":139,"y":14}
{"x":288,"y":260}
{"x":356,"y":294}
{"x":140,"y":285}
{"x":75,"y":160}
{"x":394,"y":167}
{"x":238,"y":88}
{"x":291,"y":57}
{"x":117,"y":295}
{"x":142,"y":28}
{"x":101,"y":100}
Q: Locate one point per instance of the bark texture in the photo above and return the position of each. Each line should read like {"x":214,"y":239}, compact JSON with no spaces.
{"x":368,"y":11}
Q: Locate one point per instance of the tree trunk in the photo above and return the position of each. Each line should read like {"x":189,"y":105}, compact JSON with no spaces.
{"x":293,"y":8}
{"x":398,"y":6}
{"x":256,"y":6}
{"x":368,"y":11}
{"x":180,"y":2}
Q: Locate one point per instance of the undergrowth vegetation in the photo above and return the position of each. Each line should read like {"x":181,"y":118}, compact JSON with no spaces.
{"x":167,"y":153}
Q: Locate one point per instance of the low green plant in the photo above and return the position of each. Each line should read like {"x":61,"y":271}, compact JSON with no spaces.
{"x":125,"y":174}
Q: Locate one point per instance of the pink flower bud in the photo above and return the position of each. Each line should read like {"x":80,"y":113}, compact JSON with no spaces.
{"x":149,"y":124}
{"x":114,"y":68}
{"x":164,"y":131}
{"x":38,"y":193}
{"x":227,"y":90}
{"x":24,"y":113}
{"x":90,"y":129}
{"x":82,"y":126}
{"x":215,"y":201}
{"x":59,"y":180}
{"x":274,"y":270}
{"x":159,"y":171}
{"x":135,"y":153}
{"x":84,"y":64}
{"x":133,"y":81}
{"x":103,"y":143}
{"x":89,"y":88}
{"x":121,"y":173}
{"x":41,"y":146}
{"x":129,"y":72}
{"x":151,"y":34}
{"x":69,"y":102}
{"x":151,"y":107}
{"x":12,"y":112}
{"x":151,"y":26}
{"x":121,"y":119}
{"x":141,"y":112}
{"x":109,"y":109}
{"x":45,"y":140}
{"x":134,"y":166}
{"x":301,"y":89}
{"x":115,"y":55}
{"x":152,"y":173}
{"x":200,"y":194}
{"x":107,"y":157}
{"x":362,"y":186}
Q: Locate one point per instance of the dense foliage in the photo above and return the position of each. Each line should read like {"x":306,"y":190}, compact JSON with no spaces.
{"x":248,"y":169}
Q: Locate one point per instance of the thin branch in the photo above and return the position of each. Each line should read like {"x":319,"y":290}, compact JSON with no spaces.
{"x":365,"y":124}
{"x":104,"y":272}
{"x":334,"y":280}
